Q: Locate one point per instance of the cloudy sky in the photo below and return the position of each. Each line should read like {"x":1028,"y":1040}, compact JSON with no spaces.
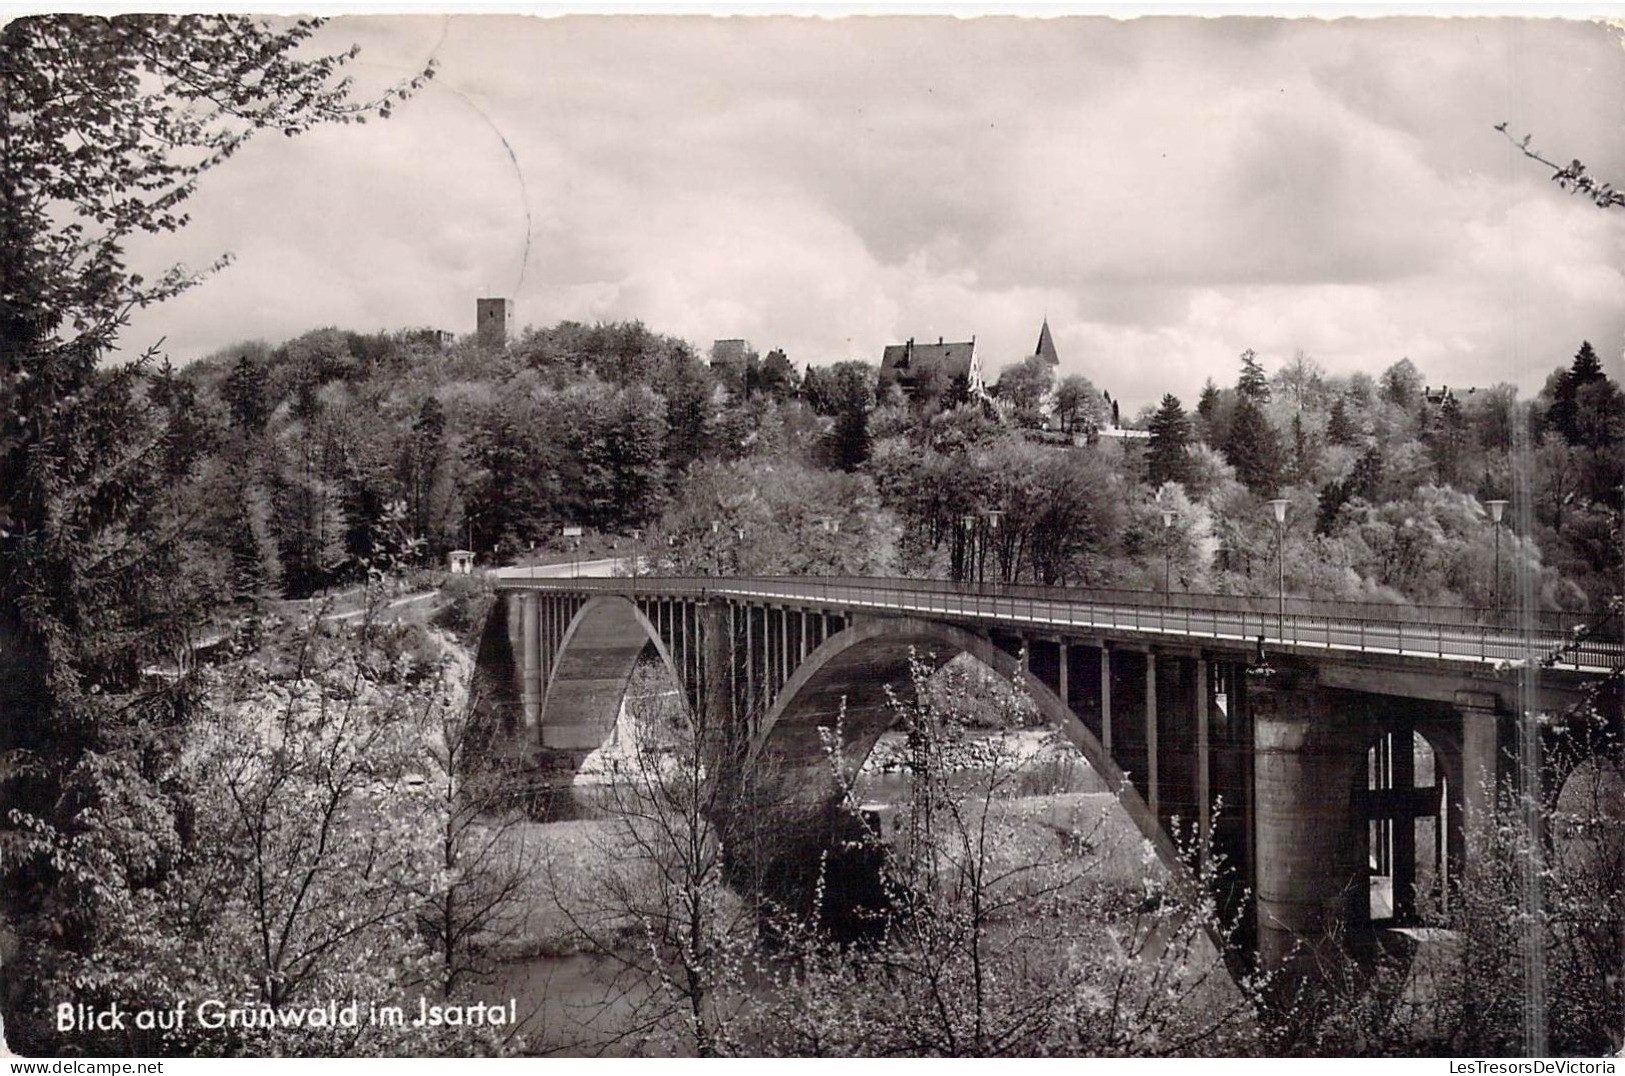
{"x":1166,"y":191}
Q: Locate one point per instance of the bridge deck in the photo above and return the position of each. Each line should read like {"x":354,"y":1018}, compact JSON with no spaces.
{"x":1475,"y":636}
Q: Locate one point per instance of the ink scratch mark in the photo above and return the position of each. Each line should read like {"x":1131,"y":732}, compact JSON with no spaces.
{"x":519,"y":173}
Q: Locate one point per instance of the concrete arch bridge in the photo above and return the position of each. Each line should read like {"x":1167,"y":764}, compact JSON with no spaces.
{"x":1351,"y":758}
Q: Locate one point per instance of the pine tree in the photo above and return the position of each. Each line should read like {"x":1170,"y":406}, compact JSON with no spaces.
{"x":1168,"y":453}
{"x":255,"y":566}
{"x":636,"y":450}
{"x":688,"y":413}
{"x":1252,"y":448}
{"x":1252,"y":384}
{"x":1340,"y":428}
{"x":854,"y":395}
{"x":1303,"y":451}
{"x":1564,"y":414}
{"x":1587,"y":367}
{"x":422,"y":464}
{"x":245,"y":391}
{"x":1364,"y":481}
{"x":1447,"y":440}
{"x":1207,"y":405}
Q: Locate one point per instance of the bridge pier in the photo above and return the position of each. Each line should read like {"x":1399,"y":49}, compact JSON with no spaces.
{"x":530,"y":663}
{"x":1309,"y":749}
{"x":1181,"y":790}
{"x":1106,"y":698}
{"x":1482,"y":758}
{"x":1063,"y":663}
{"x":1151,"y":761}
{"x":1204,"y":783}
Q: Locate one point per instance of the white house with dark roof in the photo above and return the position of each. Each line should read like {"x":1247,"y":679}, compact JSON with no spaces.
{"x":905,"y":363}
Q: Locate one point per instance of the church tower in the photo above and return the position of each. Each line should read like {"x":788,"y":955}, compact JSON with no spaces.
{"x":1046,"y":346}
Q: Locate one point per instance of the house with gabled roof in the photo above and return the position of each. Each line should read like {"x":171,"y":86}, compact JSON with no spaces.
{"x":942,"y":362}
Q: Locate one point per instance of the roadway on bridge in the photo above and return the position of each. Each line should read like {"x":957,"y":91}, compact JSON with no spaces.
{"x":581,"y":569}
{"x":1451,"y":642}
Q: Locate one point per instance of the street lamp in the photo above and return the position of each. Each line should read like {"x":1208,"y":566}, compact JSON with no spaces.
{"x":1496,"y":508}
{"x":1278,"y":506}
{"x":1167,"y":549}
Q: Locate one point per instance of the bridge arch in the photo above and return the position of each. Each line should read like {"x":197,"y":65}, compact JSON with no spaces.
{"x":1409,"y":775}
{"x":597,"y":655}
{"x":855,"y":668}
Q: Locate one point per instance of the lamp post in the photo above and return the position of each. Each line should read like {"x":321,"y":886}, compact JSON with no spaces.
{"x":1278,"y":506}
{"x":1496,"y":508}
{"x":1167,"y":551}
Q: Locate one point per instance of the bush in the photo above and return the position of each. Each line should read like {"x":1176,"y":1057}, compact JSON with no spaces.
{"x":468,"y":601}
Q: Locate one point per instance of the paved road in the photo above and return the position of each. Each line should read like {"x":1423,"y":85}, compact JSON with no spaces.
{"x":390,"y":610}
{"x":584,"y":569}
{"x":1470,"y":643}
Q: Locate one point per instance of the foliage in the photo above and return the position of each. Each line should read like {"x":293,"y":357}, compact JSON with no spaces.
{"x":468,"y":601}
{"x":1253,"y":384}
{"x":1059,"y":518}
{"x":1462,"y":988}
{"x":1402,"y":385}
{"x":1079,"y":406}
{"x":109,"y":125}
{"x":290,"y":854}
{"x":1301,"y":383}
{"x":473,"y":900}
{"x":779,"y":518}
{"x":1026,"y":385}
{"x":1252,"y":448}
{"x":1167,"y":459}
{"x":853,"y":394}
{"x":1002,"y":935}
{"x":1340,"y":429}
{"x":655,"y":901}
{"x":1572,"y":177}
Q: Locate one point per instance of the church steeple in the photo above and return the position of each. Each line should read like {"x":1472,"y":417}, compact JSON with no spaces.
{"x":1046,"y":346}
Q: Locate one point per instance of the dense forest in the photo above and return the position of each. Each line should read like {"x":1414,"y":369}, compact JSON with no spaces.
{"x":336,"y":450}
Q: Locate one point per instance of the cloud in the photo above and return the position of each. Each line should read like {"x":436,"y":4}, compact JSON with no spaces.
{"x":1166,"y":191}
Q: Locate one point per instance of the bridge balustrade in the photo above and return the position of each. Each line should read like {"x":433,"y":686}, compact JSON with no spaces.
{"x":1444,"y":632}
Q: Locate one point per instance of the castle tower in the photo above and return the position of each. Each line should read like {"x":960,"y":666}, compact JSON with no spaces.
{"x":493,"y":321}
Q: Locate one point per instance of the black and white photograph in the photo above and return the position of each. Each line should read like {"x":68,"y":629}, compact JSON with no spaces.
{"x":829,"y":532}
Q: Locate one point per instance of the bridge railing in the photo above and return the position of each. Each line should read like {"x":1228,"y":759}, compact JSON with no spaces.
{"x":1545,"y":621}
{"x":1431,"y":631}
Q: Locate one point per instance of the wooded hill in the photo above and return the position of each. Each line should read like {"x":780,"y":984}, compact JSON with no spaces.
{"x":337,"y":449}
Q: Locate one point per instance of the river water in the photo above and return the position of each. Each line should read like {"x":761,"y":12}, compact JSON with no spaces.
{"x":572,"y":1004}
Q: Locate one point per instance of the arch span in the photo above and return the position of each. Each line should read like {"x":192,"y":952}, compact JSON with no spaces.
{"x":597,"y":655}
{"x":855,"y":667}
